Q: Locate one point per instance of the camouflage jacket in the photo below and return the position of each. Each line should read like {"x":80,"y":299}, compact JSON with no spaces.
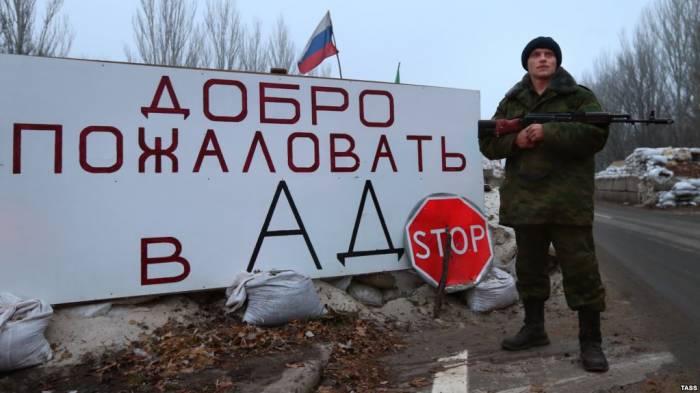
{"x":552,"y":182}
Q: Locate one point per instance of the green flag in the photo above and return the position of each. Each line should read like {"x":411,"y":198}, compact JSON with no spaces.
{"x":397,"y":79}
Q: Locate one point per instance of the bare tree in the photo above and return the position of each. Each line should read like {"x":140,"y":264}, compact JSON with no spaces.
{"x":673,"y":24}
{"x":323,"y":70}
{"x":166,"y":34}
{"x":280,"y":49}
{"x":696,"y":77}
{"x":224,"y":34}
{"x":644,"y":87}
{"x":631,"y":83}
{"x":19,"y":35}
{"x":253,"y":57}
{"x":198,"y":54}
{"x":658,"y":69}
{"x":609,"y":90}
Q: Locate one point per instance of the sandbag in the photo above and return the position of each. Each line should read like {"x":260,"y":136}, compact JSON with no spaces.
{"x":275,"y":297}
{"x":661,"y":178}
{"x":236,"y":293}
{"x":496,"y":291}
{"x":22,"y":325}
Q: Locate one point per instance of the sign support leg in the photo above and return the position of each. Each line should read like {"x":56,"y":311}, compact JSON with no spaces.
{"x":443,"y":277}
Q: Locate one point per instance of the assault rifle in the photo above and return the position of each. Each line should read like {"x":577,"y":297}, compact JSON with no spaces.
{"x":510,"y":126}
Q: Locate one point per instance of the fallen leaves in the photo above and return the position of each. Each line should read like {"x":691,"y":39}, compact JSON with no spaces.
{"x":419,"y":382}
{"x":164,"y":359}
{"x":223,"y":383}
{"x":354,"y":364}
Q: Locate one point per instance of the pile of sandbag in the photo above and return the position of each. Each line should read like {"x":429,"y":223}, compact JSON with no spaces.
{"x":666,"y":176}
{"x":659,"y":178}
{"x":493,"y":171}
{"x":613,"y":172}
{"x":683,"y":193}
{"x":653,"y":166}
{"x":643,"y":159}
{"x":22,"y":326}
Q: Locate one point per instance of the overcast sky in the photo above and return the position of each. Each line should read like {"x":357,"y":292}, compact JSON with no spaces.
{"x":462,"y":44}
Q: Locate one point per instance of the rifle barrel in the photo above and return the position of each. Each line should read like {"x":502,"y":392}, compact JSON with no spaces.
{"x":644,"y":121}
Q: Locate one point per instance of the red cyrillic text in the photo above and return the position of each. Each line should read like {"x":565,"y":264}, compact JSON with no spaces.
{"x":210,"y":138}
{"x":290,"y":152}
{"x":119,"y":139}
{"x":383,"y":150}
{"x":419,"y":142}
{"x":175,"y":257}
{"x":155,"y":104}
{"x":348,"y":153}
{"x":368,"y":123}
{"x":17,"y":144}
{"x":446,"y":155}
{"x":315,"y":108}
{"x":282,"y":100}
{"x":158,"y":152}
{"x":225,"y":82}
{"x":258,"y":139}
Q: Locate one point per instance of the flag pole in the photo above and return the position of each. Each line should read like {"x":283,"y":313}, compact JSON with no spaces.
{"x":337,"y":55}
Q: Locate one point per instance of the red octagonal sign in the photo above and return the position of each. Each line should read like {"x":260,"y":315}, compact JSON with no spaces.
{"x":471,"y":248}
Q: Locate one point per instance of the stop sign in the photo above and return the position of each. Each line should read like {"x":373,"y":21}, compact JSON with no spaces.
{"x":471,"y":248}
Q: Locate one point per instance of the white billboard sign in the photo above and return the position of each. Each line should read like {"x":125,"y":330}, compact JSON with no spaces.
{"x":122,"y":180}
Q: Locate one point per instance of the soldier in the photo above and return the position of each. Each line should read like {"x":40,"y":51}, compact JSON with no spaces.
{"x":547,"y":197}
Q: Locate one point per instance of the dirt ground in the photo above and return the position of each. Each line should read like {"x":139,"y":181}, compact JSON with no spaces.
{"x":219,"y":353}
{"x":633,"y":347}
{"x":215,"y":352}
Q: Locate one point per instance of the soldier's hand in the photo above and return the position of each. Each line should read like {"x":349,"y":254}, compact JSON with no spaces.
{"x":534,"y":132}
{"x":522,"y":140}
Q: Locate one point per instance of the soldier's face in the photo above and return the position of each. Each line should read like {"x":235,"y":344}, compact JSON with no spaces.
{"x":542,"y":63}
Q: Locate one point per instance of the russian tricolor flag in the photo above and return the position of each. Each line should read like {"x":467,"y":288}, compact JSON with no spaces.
{"x":319,"y":47}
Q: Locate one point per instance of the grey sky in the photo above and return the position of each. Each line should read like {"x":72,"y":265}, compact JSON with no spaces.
{"x":462,"y":44}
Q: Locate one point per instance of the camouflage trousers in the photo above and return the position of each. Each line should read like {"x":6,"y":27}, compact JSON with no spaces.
{"x":576,"y":255}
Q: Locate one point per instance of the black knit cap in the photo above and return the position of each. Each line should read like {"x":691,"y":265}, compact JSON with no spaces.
{"x":542,"y":43}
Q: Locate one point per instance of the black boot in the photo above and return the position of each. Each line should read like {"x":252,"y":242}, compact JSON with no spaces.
{"x":592,"y":356}
{"x":532,"y":334}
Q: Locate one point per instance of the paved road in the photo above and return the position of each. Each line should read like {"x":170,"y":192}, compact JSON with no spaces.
{"x":650,"y":262}
{"x":653,"y":257}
